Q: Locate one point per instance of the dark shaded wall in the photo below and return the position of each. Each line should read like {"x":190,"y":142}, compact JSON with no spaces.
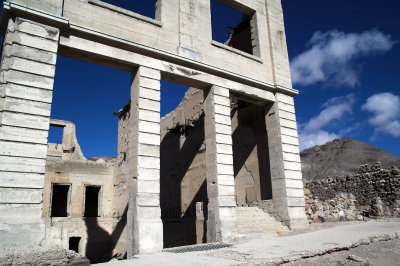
{"x":250,"y":154}
{"x":183,"y":172}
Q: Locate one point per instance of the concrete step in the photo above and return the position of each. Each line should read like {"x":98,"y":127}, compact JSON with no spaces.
{"x":253,"y":221}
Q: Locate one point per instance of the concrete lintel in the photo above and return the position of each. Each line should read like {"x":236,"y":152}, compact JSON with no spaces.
{"x":174,"y":58}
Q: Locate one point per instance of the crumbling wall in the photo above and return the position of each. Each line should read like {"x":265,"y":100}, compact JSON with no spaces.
{"x":374,"y":191}
{"x":183,"y":172}
{"x":98,"y":235}
{"x":120,"y":183}
{"x":69,"y":149}
{"x":184,"y":162}
{"x":250,"y":153}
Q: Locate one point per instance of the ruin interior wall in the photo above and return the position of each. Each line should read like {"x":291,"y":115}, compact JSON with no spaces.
{"x":183,"y":171}
{"x":94,"y":232}
{"x":98,"y":229}
{"x":185,"y":126}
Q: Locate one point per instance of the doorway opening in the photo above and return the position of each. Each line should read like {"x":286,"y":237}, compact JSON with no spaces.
{"x":73,"y":243}
{"x":250,"y":152}
{"x":183,"y":183}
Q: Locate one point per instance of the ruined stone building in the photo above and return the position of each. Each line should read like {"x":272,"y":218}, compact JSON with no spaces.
{"x":201,"y":174}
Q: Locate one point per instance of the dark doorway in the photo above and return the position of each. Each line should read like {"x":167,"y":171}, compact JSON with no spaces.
{"x":74,"y":244}
{"x":59,"y":201}
{"x":92,"y":194}
{"x":250,"y":153}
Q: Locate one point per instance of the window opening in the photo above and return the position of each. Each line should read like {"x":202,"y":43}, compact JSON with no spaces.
{"x":233,"y":27}
{"x":89,"y":100}
{"x":59,"y":200}
{"x":56,"y":134}
{"x":74,"y":244}
{"x":145,"y":8}
{"x":92,"y":195}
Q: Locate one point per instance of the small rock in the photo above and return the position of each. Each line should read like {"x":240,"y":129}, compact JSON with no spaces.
{"x":355,"y":258}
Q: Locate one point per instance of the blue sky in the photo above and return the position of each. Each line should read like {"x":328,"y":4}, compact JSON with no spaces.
{"x":345,"y":61}
{"x":345,"y":58}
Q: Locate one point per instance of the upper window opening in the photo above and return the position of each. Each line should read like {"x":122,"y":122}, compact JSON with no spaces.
{"x":92,"y":198}
{"x":59,"y":200}
{"x":146,"y":8}
{"x":233,"y":27}
{"x":56,"y":134}
{"x":89,"y":101}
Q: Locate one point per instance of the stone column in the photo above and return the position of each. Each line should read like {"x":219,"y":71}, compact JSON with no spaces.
{"x":219,"y":163}
{"x":27,"y":73}
{"x":287,"y":183}
{"x":145,"y":228}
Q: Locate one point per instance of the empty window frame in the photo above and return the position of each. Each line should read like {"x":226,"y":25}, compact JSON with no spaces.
{"x":92,"y":200}
{"x":73,"y":243}
{"x":60,"y":200}
{"x":56,"y":134}
{"x":146,"y":8}
{"x":235,"y":26}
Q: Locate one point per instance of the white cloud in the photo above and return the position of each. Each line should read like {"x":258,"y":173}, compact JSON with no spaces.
{"x":385,"y":109}
{"x":331,"y":55}
{"x":319,"y":137}
{"x":312,"y":132}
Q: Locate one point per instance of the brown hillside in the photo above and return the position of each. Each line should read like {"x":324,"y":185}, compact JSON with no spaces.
{"x":342,"y":156}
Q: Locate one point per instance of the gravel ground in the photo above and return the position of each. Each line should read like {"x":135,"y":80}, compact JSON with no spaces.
{"x":382,"y":253}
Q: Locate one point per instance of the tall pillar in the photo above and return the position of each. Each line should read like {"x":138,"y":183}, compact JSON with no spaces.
{"x":287,"y":183}
{"x":219,"y":163}
{"x":144,"y":214}
{"x":27,"y":74}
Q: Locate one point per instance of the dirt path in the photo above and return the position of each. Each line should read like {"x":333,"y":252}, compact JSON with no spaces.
{"x":382,"y":253}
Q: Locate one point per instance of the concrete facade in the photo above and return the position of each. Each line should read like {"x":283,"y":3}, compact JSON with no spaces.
{"x":176,"y":46}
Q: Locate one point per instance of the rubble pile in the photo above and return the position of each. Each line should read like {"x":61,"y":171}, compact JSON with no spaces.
{"x":341,"y":207}
{"x":372,"y":192}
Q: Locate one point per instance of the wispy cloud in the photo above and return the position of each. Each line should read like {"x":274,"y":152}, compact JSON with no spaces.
{"x":330,"y":57}
{"x":313,"y":133}
{"x":385,"y":109}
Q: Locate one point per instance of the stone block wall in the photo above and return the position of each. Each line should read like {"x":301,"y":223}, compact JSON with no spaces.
{"x":144,"y":212}
{"x":284,"y":154}
{"x":26,"y":84}
{"x":373,"y":191}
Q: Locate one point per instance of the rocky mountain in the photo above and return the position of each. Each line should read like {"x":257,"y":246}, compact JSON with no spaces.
{"x":342,"y":156}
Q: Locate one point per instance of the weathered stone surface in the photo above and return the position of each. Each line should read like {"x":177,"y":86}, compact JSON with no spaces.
{"x":38,"y":255}
{"x":371,"y":192}
{"x":27,"y":71}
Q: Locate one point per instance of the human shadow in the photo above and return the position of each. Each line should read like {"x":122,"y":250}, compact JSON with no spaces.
{"x":100,"y":244}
